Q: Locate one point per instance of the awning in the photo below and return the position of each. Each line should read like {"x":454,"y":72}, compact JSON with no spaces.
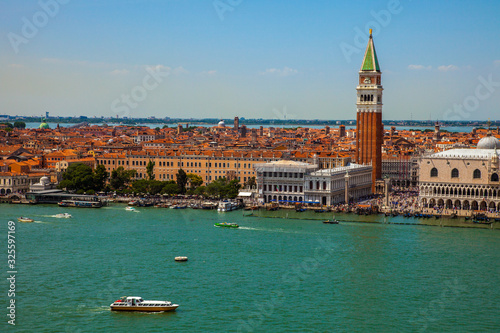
{"x":245,"y":194}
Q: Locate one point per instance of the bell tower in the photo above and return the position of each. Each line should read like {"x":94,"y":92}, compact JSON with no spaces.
{"x":369,"y":128}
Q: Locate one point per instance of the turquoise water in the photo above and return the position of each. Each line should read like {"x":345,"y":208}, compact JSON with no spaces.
{"x":270,"y":275}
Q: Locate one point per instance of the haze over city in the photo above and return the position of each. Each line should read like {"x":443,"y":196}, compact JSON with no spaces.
{"x":254,"y":59}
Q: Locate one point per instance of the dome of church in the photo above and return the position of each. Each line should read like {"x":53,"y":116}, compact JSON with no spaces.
{"x":222,"y":123}
{"x":488,"y":142}
{"x":44,"y":125}
{"x":44,"y":180}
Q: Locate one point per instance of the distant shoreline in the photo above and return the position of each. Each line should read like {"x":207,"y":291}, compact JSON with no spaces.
{"x":244,"y":121}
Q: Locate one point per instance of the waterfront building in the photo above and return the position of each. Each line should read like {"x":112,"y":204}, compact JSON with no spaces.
{"x":11,"y":182}
{"x":462,"y":178}
{"x":329,"y":186}
{"x":282,"y":180}
{"x":369,"y":128}
{"x":292,"y":181}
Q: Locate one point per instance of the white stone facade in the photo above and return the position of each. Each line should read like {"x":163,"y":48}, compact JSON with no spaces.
{"x":460,"y":178}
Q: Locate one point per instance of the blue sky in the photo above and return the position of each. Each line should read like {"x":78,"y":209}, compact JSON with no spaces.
{"x":254,"y":59}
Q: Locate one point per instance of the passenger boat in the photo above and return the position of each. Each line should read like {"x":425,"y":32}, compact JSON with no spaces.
{"x":227,"y":206}
{"x":63,"y":216}
{"x":133,"y":303}
{"x":181,"y":258}
{"x":226,"y":225}
{"x":25,"y":219}
{"x":81,"y":204}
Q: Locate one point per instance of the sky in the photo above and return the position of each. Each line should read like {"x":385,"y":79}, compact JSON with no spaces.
{"x":271,"y":59}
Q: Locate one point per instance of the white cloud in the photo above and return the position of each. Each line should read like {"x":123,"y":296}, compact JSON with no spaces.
{"x":209,"y":73}
{"x":286,"y":71}
{"x":180,"y":70}
{"x":418,"y":67}
{"x":120,"y":72}
{"x":162,"y":68}
{"x":447,"y":68}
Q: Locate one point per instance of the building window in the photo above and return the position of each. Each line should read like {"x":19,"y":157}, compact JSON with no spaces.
{"x":476,"y":174}
{"x":434,"y":172}
{"x":494,"y":177}
{"x":454,"y":173}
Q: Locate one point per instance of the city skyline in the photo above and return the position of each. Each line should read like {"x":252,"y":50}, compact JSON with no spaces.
{"x":250,"y":59}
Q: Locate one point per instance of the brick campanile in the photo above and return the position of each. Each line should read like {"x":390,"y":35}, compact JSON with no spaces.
{"x":369,"y":128}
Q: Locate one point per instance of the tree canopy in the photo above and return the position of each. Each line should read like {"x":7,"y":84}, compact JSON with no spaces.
{"x":80,"y":177}
{"x":222,"y":188}
{"x":120,"y":178}
{"x":182,"y":181}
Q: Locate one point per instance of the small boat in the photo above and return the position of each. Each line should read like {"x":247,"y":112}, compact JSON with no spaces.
{"x":25,"y":219}
{"x":130,"y":209}
{"x":226,"y":225}
{"x":331,"y":222}
{"x":63,"y":216}
{"x":227,"y":206}
{"x":181,"y":258}
{"x":178,"y":207}
{"x":133,"y":303}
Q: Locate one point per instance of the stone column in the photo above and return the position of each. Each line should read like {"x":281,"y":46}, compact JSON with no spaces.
{"x":346,"y":177}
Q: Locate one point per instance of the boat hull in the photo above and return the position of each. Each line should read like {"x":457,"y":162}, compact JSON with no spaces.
{"x":144,"y":308}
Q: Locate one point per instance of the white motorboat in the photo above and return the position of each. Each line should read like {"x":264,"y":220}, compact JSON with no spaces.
{"x":134,"y":303}
{"x":130,"y":209}
{"x":63,"y":216}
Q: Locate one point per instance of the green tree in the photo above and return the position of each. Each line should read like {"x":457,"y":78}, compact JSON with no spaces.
{"x":200,"y":190}
{"x":181,"y":181}
{"x":232,"y":189}
{"x":147,"y":186}
{"x":223,"y":189}
{"x":170,"y":188}
{"x":20,"y":124}
{"x":100,"y":177}
{"x":194,"y":180}
{"x":78,"y":177}
{"x":120,"y":178}
{"x":150,"y":170}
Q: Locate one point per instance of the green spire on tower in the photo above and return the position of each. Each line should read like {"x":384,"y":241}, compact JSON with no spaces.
{"x":370,"y":62}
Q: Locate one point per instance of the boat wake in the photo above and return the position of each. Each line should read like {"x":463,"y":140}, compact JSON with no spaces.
{"x":282,"y":231}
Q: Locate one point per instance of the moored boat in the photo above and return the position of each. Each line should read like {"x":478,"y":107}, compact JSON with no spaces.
{"x":25,"y":219}
{"x":331,"y":222}
{"x":226,"y":225}
{"x":227,"y":206}
{"x":134,"y":303}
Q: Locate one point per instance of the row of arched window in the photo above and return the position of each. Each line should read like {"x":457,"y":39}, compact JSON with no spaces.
{"x":476,"y":174}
